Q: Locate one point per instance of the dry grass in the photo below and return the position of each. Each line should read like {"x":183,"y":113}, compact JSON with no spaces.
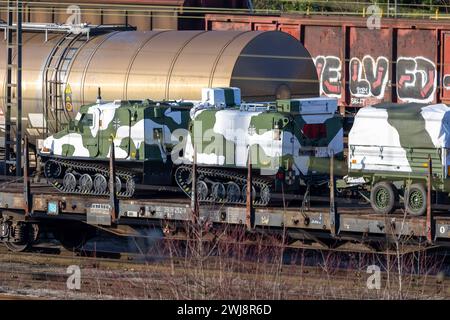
{"x":233,"y":264}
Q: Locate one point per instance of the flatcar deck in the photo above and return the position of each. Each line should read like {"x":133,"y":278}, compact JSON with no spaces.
{"x":317,"y":223}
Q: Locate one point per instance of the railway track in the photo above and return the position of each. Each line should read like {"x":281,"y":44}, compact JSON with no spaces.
{"x":266,"y":269}
{"x":44,"y":275}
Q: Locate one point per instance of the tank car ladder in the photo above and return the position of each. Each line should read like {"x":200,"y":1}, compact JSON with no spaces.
{"x":55,"y":76}
{"x":58,"y":64}
{"x":13,"y":97}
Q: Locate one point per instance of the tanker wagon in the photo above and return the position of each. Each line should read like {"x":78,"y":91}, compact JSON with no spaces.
{"x":389,"y":147}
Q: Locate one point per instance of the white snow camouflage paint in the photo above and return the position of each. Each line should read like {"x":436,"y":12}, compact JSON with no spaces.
{"x":374,"y":144}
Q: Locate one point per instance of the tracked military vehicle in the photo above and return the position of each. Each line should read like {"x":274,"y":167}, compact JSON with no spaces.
{"x":288,"y":142}
{"x":76,"y":158}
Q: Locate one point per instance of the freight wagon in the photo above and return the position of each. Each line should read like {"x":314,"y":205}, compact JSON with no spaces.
{"x":404,"y":61}
{"x":143,"y":14}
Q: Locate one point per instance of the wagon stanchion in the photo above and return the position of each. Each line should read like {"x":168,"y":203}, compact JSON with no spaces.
{"x":249,"y":212}
{"x":429,"y":213}
{"x":334,"y":217}
{"x":26,"y":178}
{"x":112,"y":183}
{"x":19,"y":132}
{"x":194,"y":200}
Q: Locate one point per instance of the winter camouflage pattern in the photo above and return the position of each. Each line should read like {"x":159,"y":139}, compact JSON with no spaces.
{"x":397,"y":139}
{"x":296,"y":136}
{"x":141,"y":130}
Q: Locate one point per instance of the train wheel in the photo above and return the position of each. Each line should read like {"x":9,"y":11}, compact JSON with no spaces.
{"x":69,"y":181}
{"x":22,"y":234}
{"x":75,"y":237}
{"x":17,"y":247}
{"x":100,"y":183}
{"x":72,"y":242}
{"x":85,"y":182}
{"x":416,"y":200}
{"x":383,"y":197}
{"x":233,"y":192}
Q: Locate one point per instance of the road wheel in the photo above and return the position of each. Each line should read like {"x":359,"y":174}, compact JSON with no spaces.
{"x":69,"y":181}
{"x":383,"y":197}
{"x":265,"y":194}
{"x":202,"y":190}
{"x":100,"y":184}
{"x":118,"y":184}
{"x":218,"y":191}
{"x":85,"y":183}
{"x":416,"y":200}
{"x":233,"y":192}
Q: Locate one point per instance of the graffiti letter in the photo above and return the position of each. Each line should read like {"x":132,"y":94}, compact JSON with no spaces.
{"x":416,"y":79}
{"x":329,"y":73}
{"x":368,"y":78}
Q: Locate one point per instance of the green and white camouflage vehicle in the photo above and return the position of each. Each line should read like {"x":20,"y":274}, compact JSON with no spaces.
{"x":143,"y":140}
{"x":389,"y":149}
{"x":290,"y":143}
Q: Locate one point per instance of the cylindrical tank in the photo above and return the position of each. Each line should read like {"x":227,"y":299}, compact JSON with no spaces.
{"x":162,"y":65}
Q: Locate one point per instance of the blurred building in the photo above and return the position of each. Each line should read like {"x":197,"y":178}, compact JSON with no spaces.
{"x":144,"y":14}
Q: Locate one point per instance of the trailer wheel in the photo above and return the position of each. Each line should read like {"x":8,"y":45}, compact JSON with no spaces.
{"x":416,"y":200}
{"x":383,"y":197}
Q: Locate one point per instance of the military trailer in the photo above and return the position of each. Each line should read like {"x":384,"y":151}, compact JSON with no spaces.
{"x":142,"y":132}
{"x":288,"y":142}
{"x":389,"y":150}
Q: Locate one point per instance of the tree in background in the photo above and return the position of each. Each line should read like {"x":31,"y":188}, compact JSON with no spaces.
{"x":334,"y":5}
{"x":281,"y":5}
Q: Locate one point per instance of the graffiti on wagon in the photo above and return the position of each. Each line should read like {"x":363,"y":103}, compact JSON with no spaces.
{"x":369,"y":78}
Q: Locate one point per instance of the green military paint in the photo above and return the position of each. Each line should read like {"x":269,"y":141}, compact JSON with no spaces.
{"x":409,"y":123}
